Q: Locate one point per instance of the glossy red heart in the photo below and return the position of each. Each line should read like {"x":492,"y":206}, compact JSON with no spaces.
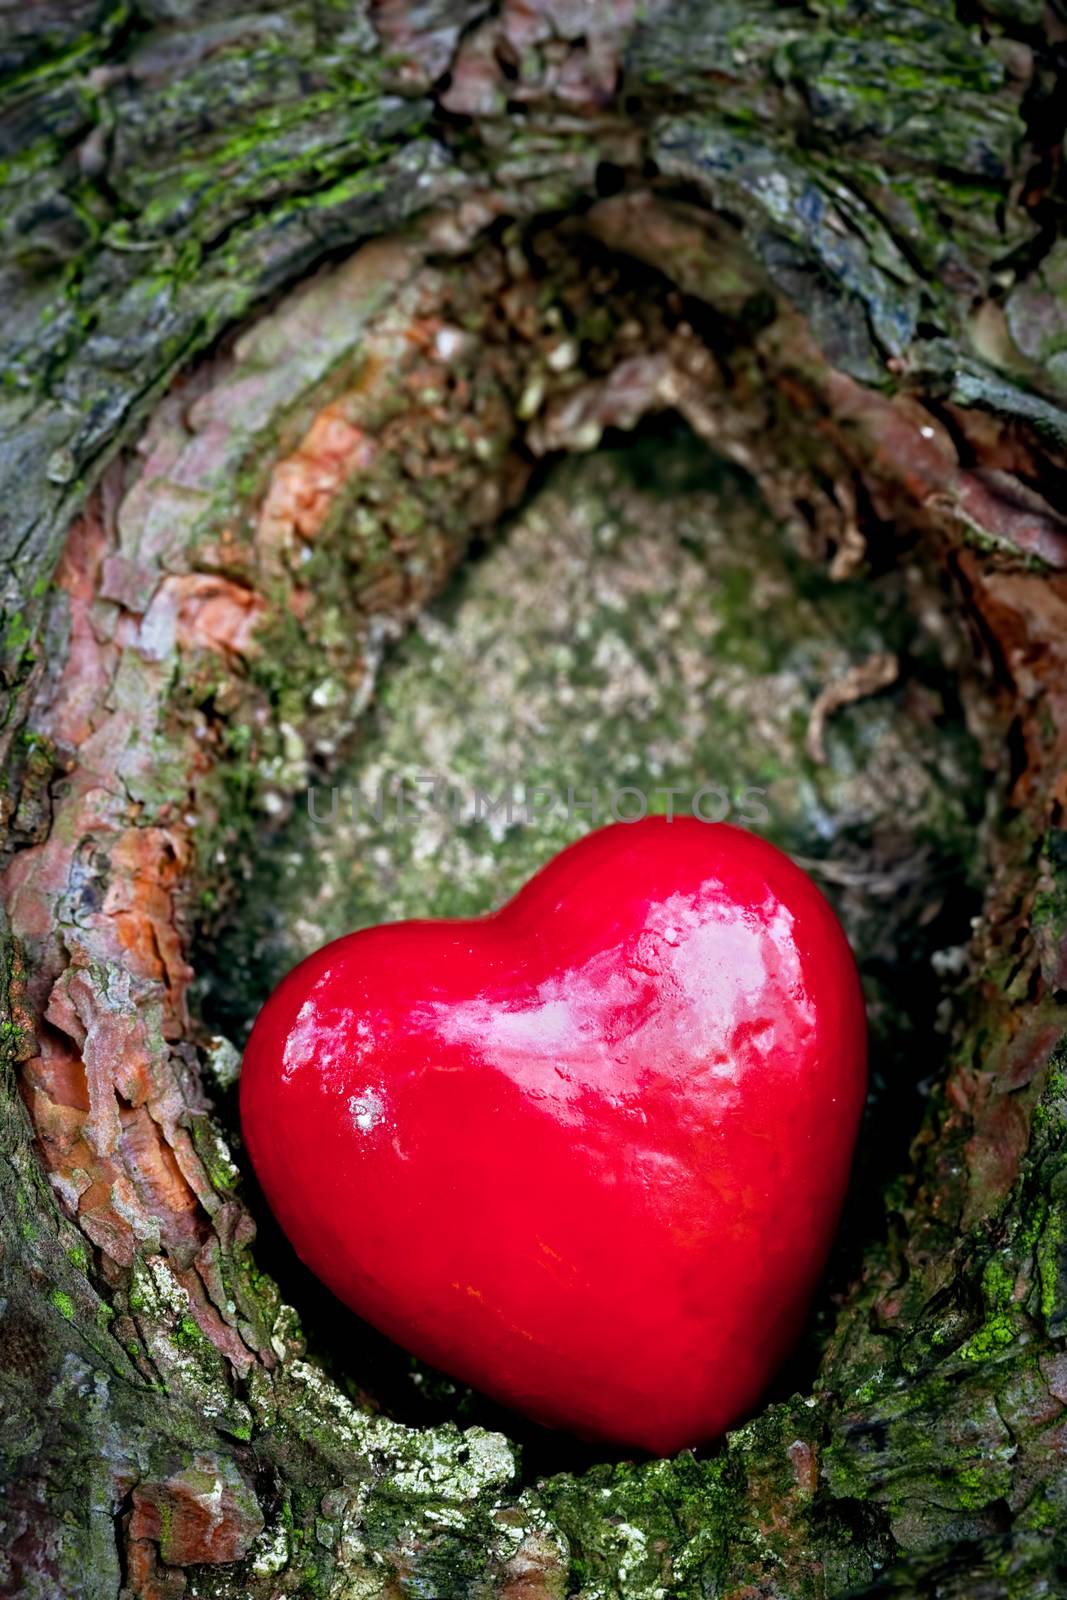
{"x":587,"y":1153}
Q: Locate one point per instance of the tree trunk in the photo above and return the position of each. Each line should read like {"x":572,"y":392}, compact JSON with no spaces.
{"x":276,"y":347}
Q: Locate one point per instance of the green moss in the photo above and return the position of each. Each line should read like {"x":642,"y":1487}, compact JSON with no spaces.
{"x":63,"y":1304}
{"x":187,"y":1334}
{"x":19,"y":633}
{"x":971,"y":1485}
{"x":994,"y":1335}
{"x":12,"y":1039}
{"x":642,"y":1531}
{"x":1050,"y":1252}
{"x":282,"y":149}
{"x":866,"y":1391}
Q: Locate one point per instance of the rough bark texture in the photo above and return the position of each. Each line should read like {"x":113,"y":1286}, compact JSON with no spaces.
{"x":222,"y":494}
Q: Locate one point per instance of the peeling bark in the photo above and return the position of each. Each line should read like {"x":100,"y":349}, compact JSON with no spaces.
{"x":826,"y":239}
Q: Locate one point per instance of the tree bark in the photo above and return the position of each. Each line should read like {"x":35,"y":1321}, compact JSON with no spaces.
{"x":238,"y":451}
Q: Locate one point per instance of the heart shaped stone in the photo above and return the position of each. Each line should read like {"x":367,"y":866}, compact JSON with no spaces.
{"x":587,"y":1153}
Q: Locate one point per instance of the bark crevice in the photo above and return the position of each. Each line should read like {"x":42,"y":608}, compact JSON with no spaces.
{"x":885,"y":383}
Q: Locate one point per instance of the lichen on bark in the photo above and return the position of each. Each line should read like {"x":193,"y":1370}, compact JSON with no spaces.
{"x":822,"y":235}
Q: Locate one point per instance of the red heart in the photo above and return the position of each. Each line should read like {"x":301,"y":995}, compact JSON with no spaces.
{"x":587,"y":1153}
